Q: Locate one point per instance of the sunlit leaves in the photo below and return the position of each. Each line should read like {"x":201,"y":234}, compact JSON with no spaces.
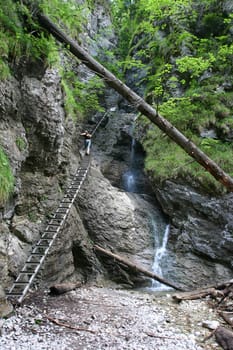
{"x":195,"y":66}
{"x":81,"y":98}
{"x":69,"y":14}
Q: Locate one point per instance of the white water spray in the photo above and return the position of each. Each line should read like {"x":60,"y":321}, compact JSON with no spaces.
{"x":160,"y":254}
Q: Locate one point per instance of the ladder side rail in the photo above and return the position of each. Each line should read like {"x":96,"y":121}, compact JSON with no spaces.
{"x":84,"y":168}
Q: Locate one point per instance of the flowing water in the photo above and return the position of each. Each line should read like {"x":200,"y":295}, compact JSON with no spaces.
{"x":160,"y":256}
{"x":129,"y":178}
{"x":132,"y":182}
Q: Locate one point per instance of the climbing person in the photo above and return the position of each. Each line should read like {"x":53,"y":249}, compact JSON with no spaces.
{"x":87,"y":141}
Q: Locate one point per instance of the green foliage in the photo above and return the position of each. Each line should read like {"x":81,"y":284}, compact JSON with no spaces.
{"x":4,"y":70}
{"x":81,"y":98}
{"x":68,"y":14}
{"x":181,"y":112}
{"x":21,"y":144}
{"x":166,"y":160}
{"x":6,"y":178}
{"x":212,"y":24}
{"x":21,"y":37}
{"x":194,"y":66}
{"x":127,"y":26}
{"x":187,"y":49}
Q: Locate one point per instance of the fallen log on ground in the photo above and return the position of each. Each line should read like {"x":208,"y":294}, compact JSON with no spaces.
{"x":136,"y":268}
{"x":62,"y":288}
{"x":220,"y":290}
{"x":197,"y":294}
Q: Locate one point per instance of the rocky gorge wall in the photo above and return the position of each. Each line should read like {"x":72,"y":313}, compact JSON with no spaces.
{"x":42,"y":145}
{"x":201,"y":236}
{"x":200,"y":239}
{"x":32,"y":110}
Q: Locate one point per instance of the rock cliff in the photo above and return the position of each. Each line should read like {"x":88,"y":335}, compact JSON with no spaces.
{"x":201,"y":239}
{"x":43,"y":147}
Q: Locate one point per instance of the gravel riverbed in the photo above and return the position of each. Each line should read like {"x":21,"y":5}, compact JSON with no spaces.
{"x":104,"y":318}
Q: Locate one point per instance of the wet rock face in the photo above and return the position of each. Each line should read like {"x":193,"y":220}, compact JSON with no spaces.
{"x":201,"y":238}
{"x":117,"y":221}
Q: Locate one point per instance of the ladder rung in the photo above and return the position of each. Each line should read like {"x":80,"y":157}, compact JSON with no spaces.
{"x":52,"y":227}
{"x":40,"y":248}
{"x":78,"y":177}
{"x":58,"y":216}
{"x":40,"y":245}
{"x":62,"y":210}
{"x":47,"y":233}
{"x":65,"y":205}
{"x":71,"y":190}
{"x":20,"y":283}
{"x":57,"y":221}
{"x":28,"y":269}
{"x":33,"y":257}
{"x":68,"y":202}
{"x":23,"y":272}
{"x":45,"y":240}
{"x":35,"y":260}
{"x":10,"y":294}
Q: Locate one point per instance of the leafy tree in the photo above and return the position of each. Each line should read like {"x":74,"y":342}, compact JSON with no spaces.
{"x":186,"y":47}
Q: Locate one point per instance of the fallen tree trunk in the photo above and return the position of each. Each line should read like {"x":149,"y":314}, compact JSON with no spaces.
{"x":139,"y":103}
{"x":135,"y":267}
{"x":220,"y":290}
{"x":197,"y":294}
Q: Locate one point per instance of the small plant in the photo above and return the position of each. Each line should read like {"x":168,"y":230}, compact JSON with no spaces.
{"x":32,"y":216}
{"x":6,"y":178}
{"x":21,"y":144}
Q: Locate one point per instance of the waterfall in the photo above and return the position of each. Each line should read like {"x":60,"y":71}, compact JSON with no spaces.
{"x":160,"y":254}
{"x":129,"y":177}
{"x":134,"y":180}
{"x":129,"y":181}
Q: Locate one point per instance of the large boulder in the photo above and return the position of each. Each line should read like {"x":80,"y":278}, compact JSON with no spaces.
{"x":201,"y":238}
{"x":119,"y":221}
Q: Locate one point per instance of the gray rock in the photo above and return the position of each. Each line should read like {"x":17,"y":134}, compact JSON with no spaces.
{"x":201,"y":234}
{"x":6,"y":309}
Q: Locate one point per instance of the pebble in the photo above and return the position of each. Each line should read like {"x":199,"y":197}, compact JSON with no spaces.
{"x":119,"y":319}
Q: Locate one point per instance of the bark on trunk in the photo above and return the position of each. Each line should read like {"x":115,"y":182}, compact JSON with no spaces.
{"x":221,"y":290}
{"x":135,"y":267}
{"x":139,"y":103}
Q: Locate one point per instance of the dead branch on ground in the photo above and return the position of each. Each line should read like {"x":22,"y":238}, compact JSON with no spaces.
{"x":57,"y":322}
